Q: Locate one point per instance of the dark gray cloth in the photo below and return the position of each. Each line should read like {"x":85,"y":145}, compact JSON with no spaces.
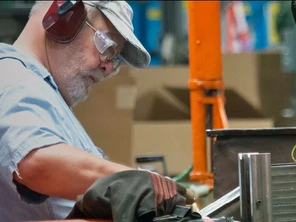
{"x":129,"y":196}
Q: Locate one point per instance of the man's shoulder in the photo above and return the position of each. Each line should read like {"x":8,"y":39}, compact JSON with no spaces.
{"x":17,"y":82}
{"x":16,"y":62}
{"x":12,"y":72}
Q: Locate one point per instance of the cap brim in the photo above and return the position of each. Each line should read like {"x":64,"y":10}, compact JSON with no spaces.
{"x":133,"y":52}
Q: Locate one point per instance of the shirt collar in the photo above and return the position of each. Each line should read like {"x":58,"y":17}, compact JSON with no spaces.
{"x":29,"y":61}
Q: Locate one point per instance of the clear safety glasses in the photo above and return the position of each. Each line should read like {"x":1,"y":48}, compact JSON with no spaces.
{"x":107,"y":48}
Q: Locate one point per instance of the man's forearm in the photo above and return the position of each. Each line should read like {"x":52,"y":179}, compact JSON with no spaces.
{"x":63,"y":171}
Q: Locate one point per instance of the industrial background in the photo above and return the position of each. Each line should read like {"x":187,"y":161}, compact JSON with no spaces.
{"x":148,"y":112}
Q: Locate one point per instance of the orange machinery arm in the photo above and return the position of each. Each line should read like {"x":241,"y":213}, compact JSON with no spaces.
{"x":205,"y":64}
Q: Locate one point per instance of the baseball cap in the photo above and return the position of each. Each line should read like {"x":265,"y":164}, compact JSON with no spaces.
{"x":120,"y":14}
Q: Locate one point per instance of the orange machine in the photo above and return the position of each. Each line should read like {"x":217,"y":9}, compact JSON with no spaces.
{"x":205,"y":84}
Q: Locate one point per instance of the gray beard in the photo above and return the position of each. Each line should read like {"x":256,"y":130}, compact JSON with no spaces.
{"x":79,"y":87}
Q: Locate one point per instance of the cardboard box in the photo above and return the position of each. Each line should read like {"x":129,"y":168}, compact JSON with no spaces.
{"x":162,"y":123}
{"x":255,"y":85}
{"x":173,"y":140}
{"x":255,"y":81}
{"x":152,"y":91}
{"x":107,"y":115}
{"x":165,"y":128}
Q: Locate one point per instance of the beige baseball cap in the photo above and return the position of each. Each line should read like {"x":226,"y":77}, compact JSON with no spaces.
{"x":120,"y":14}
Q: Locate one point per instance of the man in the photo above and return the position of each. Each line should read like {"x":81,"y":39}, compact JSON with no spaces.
{"x":46,"y":157}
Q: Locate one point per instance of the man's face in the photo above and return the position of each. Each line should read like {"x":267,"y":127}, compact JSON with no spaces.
{"x":77,"y":65}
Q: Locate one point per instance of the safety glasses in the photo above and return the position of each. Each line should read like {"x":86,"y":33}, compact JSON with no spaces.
{"x":106,"y":47}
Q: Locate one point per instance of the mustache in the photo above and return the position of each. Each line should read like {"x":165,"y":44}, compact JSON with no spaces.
{"x":97,"y":73}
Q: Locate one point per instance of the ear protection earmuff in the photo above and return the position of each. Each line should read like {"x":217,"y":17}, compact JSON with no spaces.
{"x":63,"y":20}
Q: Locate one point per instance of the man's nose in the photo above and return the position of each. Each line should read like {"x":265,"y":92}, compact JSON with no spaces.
{"x":107,"y":67}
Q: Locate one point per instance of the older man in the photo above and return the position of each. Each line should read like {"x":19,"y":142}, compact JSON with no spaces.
{"x":46,"y":157}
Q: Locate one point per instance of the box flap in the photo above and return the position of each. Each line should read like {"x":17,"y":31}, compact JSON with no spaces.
{"x":159,"y":106}
{"x":236,"y":106}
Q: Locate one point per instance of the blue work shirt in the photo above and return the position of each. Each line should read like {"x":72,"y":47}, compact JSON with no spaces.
{"x":33,"y":115}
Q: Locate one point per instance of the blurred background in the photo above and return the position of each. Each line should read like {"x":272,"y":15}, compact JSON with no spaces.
{"x":148,"y":111}
{"x":162,"y":26}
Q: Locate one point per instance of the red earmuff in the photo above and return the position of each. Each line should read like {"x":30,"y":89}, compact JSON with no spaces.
{"x":63,"y":20}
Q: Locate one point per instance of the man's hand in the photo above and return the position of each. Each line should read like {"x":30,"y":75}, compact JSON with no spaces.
{"x":187,"y":193}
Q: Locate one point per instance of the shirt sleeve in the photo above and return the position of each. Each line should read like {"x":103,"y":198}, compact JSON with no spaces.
{"x":29,"y":119}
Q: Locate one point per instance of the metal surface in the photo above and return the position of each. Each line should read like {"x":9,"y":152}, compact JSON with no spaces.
{"x":205,"y":64}
{"x":229,"y":143}
{"x":244,"y":184}
{"x":260,"y":187}
{"x":255,"y":184}
{"x":220,"y":203}
{"x":279,"y":142}
{"x":284,"y":192}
